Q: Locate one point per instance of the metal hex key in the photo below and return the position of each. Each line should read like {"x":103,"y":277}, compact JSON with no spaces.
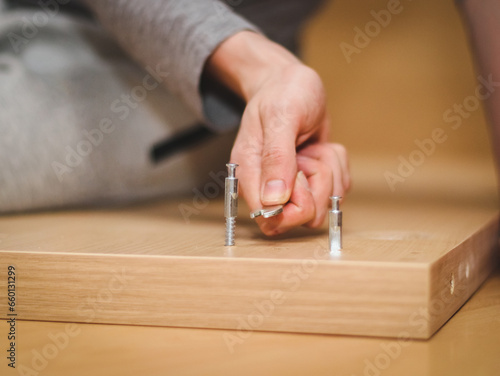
{"x":267,"y":212}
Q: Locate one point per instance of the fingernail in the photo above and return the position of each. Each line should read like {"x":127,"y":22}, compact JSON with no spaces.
{"x":274,"y":192}
{"x":303,"y":180}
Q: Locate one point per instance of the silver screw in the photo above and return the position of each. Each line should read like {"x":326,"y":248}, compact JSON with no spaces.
{"x":231,"y":202}
{"x":335,"y":225}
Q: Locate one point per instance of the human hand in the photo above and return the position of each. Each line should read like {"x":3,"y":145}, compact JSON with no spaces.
{"x":281,"y":146}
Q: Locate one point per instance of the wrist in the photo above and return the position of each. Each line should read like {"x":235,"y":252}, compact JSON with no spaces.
{"x":246,"y":60}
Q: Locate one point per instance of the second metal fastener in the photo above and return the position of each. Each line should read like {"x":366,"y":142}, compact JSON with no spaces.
{"x":231,"y":202}
{"x":335,"y":225}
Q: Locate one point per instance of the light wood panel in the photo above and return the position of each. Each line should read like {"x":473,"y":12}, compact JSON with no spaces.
{"x":406,"y":268}
{"x":467,"y":345}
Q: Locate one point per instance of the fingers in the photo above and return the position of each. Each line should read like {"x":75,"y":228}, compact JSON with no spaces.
{"x":299,"y":210}
{"x":320,"y":179}
{"x":323,"y":171}
{"x":247,"y":152}
{"x":344,"y":164}
{"x":265,"y":151}
{"x":279,"y":118}
{"x":334,"y":156}
{"x":278,"y":157}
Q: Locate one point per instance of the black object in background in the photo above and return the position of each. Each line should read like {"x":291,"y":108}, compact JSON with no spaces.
{"x":180,"y":142}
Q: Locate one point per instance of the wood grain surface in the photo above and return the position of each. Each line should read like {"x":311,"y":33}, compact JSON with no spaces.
{"x":467,"y":345}
{"x":405,"y":269}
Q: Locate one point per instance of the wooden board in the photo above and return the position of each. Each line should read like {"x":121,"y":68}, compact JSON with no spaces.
{"x":467,"y":345}
{"x":406,"y":268}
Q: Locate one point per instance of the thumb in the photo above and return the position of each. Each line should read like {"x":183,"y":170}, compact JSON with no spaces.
{"x":278,"y":166}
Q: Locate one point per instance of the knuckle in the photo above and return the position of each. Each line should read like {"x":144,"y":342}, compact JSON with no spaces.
{"x":307,"y":212}
{"x":340,"y":150}
{"x":274,"y":155}
{"x":315,"y":223}
{"x":247,"y":148}
{"x":281,"y":114}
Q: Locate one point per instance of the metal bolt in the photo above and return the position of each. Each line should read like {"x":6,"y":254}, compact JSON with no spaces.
{"x":335,"y":224}
{"x":231,"y":202}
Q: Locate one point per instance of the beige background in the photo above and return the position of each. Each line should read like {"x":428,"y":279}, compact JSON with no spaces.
{"x":396,"y":90}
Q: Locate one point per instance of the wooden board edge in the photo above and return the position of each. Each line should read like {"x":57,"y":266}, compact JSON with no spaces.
{"x":330,"y":298}
{"x":457,"y":275}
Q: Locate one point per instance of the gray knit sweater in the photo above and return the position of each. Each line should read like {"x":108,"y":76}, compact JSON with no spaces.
{"x":78,"y":117}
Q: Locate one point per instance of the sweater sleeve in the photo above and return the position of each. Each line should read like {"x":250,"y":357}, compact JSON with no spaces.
{"x":174,"y":38}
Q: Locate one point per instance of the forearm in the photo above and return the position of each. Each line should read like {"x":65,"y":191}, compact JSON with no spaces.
{"x":172,"y":37}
